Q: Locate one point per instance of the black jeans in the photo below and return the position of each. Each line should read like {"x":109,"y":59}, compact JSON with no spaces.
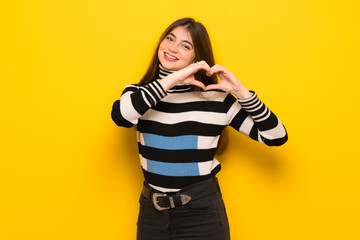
{"x":204,"y":218}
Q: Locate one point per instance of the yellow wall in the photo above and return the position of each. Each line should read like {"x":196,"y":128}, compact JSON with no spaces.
{"x":67,"y":171}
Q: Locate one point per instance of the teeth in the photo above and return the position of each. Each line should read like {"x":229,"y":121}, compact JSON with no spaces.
{"x":170,"y":56}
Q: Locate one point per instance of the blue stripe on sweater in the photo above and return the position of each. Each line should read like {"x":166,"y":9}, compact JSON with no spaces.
{"x":173,"y":169}
{"x":171,"y":143}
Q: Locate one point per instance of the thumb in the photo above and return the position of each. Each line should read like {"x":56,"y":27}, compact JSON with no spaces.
{"x":198,"y":84}
{"x":212,"y":86}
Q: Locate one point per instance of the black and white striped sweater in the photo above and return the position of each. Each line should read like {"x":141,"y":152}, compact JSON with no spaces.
{"x":178,"y":130}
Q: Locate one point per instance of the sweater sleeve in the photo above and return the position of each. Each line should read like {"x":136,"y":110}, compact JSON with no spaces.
{"x":252,"y":118}
{"x":134,"y":102}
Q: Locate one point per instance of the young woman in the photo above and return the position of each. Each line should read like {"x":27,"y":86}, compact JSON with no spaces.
{"x":180,"y":110}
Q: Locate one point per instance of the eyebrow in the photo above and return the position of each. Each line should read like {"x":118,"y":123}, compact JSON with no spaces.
{"x":182,"y":40}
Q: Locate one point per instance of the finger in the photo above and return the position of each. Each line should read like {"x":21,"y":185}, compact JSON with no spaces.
{"x":214,"y":68}
{"x":198,"y":84}
{"x":197,"y":66}
{"x":217,"y":68}
{"x":209,"y":71}
{"x":204,"y":66}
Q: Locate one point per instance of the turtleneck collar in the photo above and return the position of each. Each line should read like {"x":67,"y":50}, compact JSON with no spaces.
{"x":163,"y":72}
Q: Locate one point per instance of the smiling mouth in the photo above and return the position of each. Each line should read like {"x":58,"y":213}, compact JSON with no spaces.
{"x":169,"y":56}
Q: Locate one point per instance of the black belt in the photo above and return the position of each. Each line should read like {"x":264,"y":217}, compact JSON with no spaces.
{"x":163,"y":201}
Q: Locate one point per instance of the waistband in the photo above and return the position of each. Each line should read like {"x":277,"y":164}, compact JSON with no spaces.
{"x":163,"y":201}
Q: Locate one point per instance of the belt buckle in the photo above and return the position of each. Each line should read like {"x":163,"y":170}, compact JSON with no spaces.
{"x":155,"y":201}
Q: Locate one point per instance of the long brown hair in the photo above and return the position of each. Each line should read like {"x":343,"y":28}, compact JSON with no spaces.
{"x":203,"y":51}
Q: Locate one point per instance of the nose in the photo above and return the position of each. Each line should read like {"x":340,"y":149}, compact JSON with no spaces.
{"x":173,"y":49}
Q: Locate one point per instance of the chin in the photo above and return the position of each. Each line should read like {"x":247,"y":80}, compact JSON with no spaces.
{"x":171,"y":66}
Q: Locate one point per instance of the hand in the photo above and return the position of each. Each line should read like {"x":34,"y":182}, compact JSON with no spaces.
{"x":185,"y":76}
{"x":228,"y":82}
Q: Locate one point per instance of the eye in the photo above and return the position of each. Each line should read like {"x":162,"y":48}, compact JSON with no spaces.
{"x":169,"y":38}
{"x":187,"y":47}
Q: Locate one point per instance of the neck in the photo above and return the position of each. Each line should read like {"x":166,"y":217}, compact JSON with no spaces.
{"x":163,"y":72}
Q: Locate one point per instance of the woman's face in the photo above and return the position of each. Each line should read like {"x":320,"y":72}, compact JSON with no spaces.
{"x":176,"y":51}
